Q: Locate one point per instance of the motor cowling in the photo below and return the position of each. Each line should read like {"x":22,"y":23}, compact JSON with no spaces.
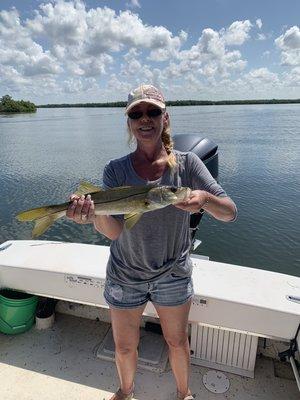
{"x":203,"y":147}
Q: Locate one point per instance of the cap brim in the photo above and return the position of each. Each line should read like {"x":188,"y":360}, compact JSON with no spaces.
{"x":157,"y":103}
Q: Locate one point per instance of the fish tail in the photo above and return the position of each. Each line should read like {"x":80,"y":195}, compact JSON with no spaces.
{"x":42,"y":224}
{"x":38,"y":213}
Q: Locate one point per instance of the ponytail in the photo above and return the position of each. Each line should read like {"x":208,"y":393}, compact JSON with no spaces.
{"x":168,"y":145}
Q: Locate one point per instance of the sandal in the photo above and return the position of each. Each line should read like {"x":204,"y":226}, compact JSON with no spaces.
{"x":187,"y":397}
{"x":119,"y":395}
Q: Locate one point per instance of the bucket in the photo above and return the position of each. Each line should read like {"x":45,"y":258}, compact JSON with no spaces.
{"x":17,"y":311}
{"x":45,"y":315}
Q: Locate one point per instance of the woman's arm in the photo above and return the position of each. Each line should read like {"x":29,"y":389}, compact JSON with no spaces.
{"x":108,"y":226}
{"x":220,"y":207}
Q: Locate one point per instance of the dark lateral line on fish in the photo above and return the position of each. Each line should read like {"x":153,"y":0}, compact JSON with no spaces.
{"x":105,"y":202}
{"x":122,"y":198}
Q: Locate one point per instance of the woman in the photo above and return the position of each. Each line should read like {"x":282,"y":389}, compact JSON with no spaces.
{"x":151,"y":260}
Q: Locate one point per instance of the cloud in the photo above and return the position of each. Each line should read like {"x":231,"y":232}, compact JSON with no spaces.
{"x":68,"y":49}
{"x":261,"y":36}
{"x":211,"y":56}
{"x":261,"y":76}
{"x":290,"y":40}
{"x":81,"y":33}
{"x":78,"y":85}
{"x":289,"y":44}
{"x":292,"y":78}
{"x":266,"y":53}
{"x":20,"y":52}
{"x":133,"y":4}
{"x":80,"y":42}
{"x":258,"y":23}
{"x":237,"y":33}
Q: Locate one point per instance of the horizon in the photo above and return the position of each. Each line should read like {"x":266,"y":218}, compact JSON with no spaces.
{"x":181,"y":100}
{"x":74,"y":51}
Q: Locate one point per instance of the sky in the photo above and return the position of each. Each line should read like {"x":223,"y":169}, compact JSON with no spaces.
{"x":59,"y":51}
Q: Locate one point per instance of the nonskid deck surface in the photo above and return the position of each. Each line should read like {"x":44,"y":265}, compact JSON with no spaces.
{"x":60,"y":363}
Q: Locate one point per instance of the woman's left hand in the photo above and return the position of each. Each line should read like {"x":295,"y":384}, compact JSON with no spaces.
{"x":194,"y":202}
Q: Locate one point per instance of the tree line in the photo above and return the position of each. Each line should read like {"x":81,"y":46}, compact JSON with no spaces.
{"x":176,"y":103}
{"x":8,"y":105}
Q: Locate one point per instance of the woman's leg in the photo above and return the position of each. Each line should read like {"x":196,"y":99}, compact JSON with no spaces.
{"x":174,"y":323}
{"x":126,"y":333}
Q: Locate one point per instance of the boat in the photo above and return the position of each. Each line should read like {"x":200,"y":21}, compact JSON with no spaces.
{"x":243,"y":326}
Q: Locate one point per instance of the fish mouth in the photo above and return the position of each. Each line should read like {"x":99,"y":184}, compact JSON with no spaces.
{"x":183,"y":194}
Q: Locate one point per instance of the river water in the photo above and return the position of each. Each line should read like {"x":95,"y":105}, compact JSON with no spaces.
{"x":43,"y":157}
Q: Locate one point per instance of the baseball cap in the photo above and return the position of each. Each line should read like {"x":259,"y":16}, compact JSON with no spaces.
{"x":145,"y":93}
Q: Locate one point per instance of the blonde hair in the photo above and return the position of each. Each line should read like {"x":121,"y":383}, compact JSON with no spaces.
{"x":167,"y":142}
{"x":168,"y":145}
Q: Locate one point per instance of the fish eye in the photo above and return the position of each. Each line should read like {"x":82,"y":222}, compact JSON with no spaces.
{"x":173,"y":189}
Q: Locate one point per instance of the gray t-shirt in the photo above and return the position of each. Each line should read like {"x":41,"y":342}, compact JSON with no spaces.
{"x":159,"y":243}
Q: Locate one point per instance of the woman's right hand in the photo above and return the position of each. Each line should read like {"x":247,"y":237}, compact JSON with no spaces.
{"x":81,"y":209}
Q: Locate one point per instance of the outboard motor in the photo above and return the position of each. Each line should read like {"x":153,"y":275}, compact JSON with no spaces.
{"x":207,"y":151}
{"x":204,"y":148}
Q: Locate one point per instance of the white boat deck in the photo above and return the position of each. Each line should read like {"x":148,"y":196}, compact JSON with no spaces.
{"x":60,"y":363}
{"x":232,"y":304}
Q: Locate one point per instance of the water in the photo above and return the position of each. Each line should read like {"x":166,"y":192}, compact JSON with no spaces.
{"x":43,"y":157}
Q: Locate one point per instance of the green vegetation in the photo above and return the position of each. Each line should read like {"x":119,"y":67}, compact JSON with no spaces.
{"x":82,"y":105}
{"x":177,"y":103}
{"x":8,"y":105}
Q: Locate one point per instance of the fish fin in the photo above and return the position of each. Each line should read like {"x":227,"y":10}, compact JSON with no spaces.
{"x":131,"y":219}
{"x":31,"y":215}
{"x":86,"y":188}
{"x":42,"y":224}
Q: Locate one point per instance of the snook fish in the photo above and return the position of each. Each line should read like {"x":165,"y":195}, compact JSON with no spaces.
{"x":132,"y":201}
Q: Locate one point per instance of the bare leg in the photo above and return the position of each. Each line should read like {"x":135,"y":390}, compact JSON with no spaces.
{"x":126,"y":332}
{"x":174,"y":323}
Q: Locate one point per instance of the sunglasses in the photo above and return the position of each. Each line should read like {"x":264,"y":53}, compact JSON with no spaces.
{"x":154,"y":112}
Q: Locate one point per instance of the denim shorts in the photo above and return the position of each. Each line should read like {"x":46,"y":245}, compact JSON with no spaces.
{"x":172,"y":290}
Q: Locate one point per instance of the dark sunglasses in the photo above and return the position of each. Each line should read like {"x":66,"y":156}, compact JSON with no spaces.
{"x":154,"y":112}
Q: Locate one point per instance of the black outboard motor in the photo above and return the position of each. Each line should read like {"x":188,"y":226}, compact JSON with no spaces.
{"x":207,"y":151}
{"x":204,"y":148}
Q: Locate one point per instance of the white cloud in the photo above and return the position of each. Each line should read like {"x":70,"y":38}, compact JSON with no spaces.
{"x":261,"y":36}
{"x":79,"y":85}
{"x":67,"y":49}
{"x":20,"y":52}
{"x":261,"y":76}
{"x":237,"y":33}
{"x":210,"y":56}
{"x":121,"y":87}
{"x":289,"y":44}
{"x":82,"y":33}
{"x":292,"y":78}
{"x":133,"y":4}
{"x":290,"y":40}
{"x":62,"y":22}
{"x":258,"y":23}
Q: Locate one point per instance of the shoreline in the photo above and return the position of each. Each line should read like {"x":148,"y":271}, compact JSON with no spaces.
{"x":179,"y":103}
